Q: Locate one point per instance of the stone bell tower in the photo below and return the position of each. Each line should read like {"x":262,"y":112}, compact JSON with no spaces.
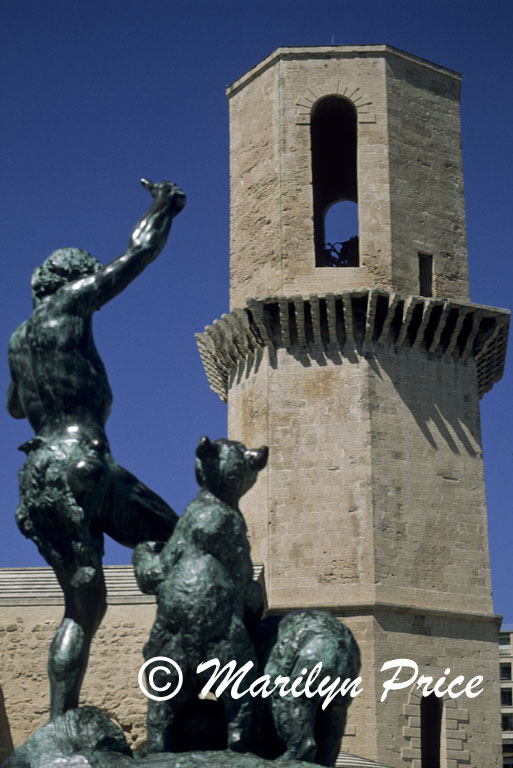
{"x":360,"y":361}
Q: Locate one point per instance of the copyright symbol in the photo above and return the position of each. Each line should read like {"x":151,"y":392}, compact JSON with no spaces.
{"x":151,"y":678}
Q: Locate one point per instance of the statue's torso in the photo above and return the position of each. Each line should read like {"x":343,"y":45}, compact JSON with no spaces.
{"x":58,"y":372}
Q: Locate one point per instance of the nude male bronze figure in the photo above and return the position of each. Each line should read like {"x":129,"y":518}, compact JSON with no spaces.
{"x":71,"y":489}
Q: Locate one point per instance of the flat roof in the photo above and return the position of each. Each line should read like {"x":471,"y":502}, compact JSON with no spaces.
{"x":333,"y":52}
{"x":38,"y":586}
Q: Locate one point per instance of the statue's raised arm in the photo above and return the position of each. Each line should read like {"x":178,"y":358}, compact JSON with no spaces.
{"x":146,"y":242}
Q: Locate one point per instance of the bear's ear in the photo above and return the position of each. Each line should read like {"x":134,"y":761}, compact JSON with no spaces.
{"x":206,"y":448}
{"x":257,"y":459}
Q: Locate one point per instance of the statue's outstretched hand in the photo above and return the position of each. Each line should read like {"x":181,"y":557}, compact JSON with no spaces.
{"x":151,"y":231}
{"x":166,"y":192}
{"x":147,"y":240}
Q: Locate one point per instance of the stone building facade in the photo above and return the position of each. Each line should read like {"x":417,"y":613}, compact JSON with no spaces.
{"x":31,"y":607}
{"x":506,"y":693}
{"x":364,"y":379}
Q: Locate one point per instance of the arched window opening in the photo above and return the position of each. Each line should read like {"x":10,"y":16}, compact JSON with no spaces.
{"x":333,"y":133}
{"x":430,"y":731}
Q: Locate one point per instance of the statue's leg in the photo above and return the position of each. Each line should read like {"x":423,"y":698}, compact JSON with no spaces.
{"x":85,"y":606}
{"x":294,"y":720}
{"x":161,"y":717}
{"x":240,"y":713}
{"x":56,"y":511}
{"x":160,"y":723}
{"x":330,"y":727}
{"x":135,"y":513}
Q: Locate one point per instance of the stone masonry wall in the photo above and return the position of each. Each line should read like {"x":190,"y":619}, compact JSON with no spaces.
{"x":470,"y":726}
{"x":426,"y":178}
{"x":272,"y":248}
{"x":254,"y":164}
{"x":410,"y":185}
{"x":111,"y":678}
{"x":374,"y":496}
{"x":429,"y":518}
{"x":374,"y":488}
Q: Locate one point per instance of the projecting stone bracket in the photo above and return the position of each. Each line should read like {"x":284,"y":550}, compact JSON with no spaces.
{"x":366,"y":318}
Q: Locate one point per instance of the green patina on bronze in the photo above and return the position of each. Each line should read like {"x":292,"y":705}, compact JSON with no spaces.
{"x":292,"y":645}
{"x":199,"y":566}
{"x":208,"y":604}
{"x":209,"y":607}
{"x":71,"y":489}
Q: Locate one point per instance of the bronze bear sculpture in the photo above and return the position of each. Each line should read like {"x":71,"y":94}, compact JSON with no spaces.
{"x":208,"y":602}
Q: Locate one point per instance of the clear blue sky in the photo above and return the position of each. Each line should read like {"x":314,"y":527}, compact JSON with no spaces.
{"x":97,"y":93}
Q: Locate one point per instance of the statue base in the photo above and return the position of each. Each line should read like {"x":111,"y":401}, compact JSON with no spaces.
{"x":86,"y":738}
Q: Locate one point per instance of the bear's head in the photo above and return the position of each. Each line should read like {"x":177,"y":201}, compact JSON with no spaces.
{"x":228,"y":469}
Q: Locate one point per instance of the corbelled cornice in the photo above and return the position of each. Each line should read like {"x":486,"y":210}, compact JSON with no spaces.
{"x":364,"y":318}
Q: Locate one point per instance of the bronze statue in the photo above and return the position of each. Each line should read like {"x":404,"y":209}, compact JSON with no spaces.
{"x":71,"y":489}
{"x":308,"y":727}
{"x":208,"y":604}
{"x":209,"y":607}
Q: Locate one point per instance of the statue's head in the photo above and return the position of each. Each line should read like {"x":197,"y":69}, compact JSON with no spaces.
{"x":227,"y":468}
{"x":62,"y":266}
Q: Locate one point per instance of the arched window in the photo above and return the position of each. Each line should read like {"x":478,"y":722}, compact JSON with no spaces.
{"x":333,"y":131}
{"x":430,"y":730}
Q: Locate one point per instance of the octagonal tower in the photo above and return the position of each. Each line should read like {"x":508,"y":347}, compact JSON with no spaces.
{"x":352,"y":350}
